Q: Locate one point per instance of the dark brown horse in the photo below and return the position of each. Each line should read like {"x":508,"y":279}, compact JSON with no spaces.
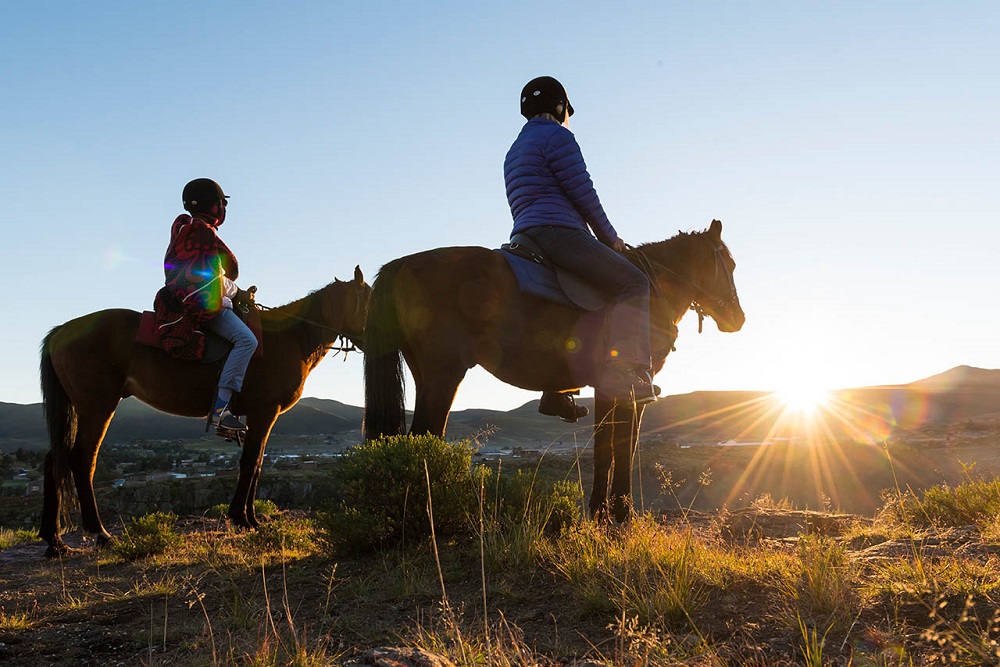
{"x":90,"y":363}
{"x":444,"y":311}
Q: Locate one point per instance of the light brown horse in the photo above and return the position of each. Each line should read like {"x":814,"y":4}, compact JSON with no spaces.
{"x":447,"y":310}
{"x":90,"y":363}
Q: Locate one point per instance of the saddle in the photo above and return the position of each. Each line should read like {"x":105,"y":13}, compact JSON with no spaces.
{"x":217,"y":348}
{"x":536,"y":275}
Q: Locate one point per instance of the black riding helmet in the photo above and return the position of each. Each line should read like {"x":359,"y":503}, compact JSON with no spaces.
{"x":543,"y":95}
{"x":201,"y":194}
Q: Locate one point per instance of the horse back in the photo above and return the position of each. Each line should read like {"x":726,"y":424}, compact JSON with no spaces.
{"x":462,"y":306}
{"x":458,"y":289}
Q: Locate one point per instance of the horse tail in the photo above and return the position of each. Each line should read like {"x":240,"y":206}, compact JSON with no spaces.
{"x":60,"y":419}
{"x":384,"y":380}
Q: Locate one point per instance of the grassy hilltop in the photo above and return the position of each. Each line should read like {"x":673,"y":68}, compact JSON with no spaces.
{"x":510,"y":575}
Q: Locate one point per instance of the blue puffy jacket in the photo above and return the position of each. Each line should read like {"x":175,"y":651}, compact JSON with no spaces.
{"x":548,"y":183}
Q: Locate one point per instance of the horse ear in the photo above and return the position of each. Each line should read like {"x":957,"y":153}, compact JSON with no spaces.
{"x":357,"y":274}
{"x":715,"y":230}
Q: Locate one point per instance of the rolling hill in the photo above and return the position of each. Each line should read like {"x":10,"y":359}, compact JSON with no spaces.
{"x":962,"y":394}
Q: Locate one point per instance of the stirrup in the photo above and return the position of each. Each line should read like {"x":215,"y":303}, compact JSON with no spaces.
{"x":227,"y":426}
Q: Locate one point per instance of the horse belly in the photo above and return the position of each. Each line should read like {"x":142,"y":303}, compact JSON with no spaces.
{"x":545,"y":347}
{"x":177,"y":387}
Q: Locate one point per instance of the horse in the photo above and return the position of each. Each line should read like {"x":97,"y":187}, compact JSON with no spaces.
{"x":446,"y":310}
{"x":90,"y":363}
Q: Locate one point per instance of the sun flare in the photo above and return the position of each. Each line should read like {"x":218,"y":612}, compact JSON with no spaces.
{"x":803,"y":398}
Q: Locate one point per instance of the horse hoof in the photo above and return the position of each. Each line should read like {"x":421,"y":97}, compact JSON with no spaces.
{"x":57,"y":550}
{"x":240,"y":523}
{"x":623,"y":510}
{"x":601,"y":515}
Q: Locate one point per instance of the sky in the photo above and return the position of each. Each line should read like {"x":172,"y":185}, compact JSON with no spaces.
{"x":850,"y":149}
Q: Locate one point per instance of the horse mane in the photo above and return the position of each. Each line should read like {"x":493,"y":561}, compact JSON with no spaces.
{"x":665,"y":251}
{"x":675,"y":247}
{"x":304,"y":315}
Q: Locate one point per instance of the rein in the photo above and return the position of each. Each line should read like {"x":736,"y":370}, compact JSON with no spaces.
{"x":344,"y":342}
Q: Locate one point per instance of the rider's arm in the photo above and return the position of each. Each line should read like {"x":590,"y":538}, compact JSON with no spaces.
{"x":569,"y":168}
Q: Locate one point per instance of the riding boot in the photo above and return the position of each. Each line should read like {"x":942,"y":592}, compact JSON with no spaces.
{"x":223,"y":419}
{"x":562,"y":405}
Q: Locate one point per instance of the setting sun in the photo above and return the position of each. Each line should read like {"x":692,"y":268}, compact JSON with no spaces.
{"x":803,"y":398}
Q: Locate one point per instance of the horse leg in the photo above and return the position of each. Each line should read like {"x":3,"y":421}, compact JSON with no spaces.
{"x":51,"y":511}
{"x":241,"y":510}
{"x":625,"y":443}
{"x":252,"y":494}
{"x":604,"y":429}
{"x":83,"y":461}
{"x":433,"y":402}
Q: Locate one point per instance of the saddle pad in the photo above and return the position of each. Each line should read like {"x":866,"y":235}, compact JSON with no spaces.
{"x":148,"y":335}
{"x":544,"y":282}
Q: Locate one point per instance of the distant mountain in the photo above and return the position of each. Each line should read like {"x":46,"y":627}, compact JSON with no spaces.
{"x":962,"y":394}
{"x":962,"y":378}
{"x":21,"y":423}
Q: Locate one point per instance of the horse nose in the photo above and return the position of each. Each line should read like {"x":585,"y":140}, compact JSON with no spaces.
{"x":734,"y":320}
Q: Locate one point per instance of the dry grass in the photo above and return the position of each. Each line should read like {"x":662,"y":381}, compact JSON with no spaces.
{"x":895,"y":591}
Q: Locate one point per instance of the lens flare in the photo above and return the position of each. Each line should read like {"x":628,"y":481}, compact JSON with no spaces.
{"x":803,"y":398}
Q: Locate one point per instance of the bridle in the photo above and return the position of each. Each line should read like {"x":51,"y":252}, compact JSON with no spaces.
{"x":702,"y":295}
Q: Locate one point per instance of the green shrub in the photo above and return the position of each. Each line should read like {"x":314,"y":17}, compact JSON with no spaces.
{"x":279,"y":535}
{"x":147,"y":535}
{"x":973,"y":502}
{"x":522,"y":498}
{"x":9,"y":538}
{"x":565,"y":500}
{"x":382,"y":498}
{"x":220,"y":511}
{"x":265,"y":508}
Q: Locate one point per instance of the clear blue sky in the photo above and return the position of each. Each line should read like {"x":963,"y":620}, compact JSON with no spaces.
{"x":850,"y":149}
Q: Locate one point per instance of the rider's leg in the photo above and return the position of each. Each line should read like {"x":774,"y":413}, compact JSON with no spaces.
{"x":229,"y":325}
{"x":628,"y":359}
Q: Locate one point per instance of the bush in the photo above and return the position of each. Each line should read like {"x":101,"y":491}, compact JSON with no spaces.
{"x":383,"y":493}
{"x":9,"y":538}
{"x":971,"y":502}
{"x":265,"y":509}
{"x":147,"y":535}
{"x":522,"y":498}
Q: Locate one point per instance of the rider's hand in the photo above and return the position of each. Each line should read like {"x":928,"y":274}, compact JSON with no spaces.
{"x":618,"y":245}
{"x":245,"y":296}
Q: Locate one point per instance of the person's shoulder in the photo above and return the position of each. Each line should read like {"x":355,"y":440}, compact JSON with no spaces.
{"x":192,"y":230}
{"x":180,"y":224}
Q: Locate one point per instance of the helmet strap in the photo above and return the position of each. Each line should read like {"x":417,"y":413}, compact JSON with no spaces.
{"x":218,"y":212}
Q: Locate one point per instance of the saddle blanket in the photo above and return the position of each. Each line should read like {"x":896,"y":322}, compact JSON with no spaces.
{"x":543,"y":281}
{"x":216,"y":347}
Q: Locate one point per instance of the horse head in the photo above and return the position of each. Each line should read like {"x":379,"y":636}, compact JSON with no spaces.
{"x":694,"y":269}
{"x":716,"y":295}
{"x":347,"y":306}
